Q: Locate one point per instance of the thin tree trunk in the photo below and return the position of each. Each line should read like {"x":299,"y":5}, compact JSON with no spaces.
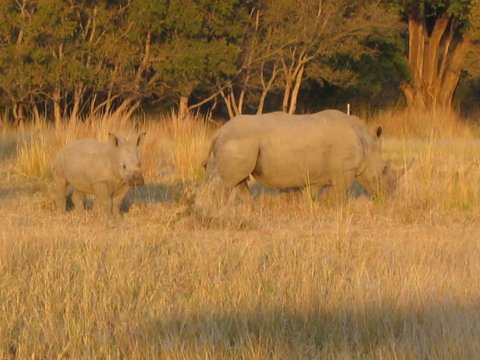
{"x":17,"y":112}
{"x":298,"y":61}
{"x":296,"y":90}
{"x":228,"y":104}
{"x":132,"y":109}
{"x":92,"y":105}
{"x":57,"y":106}
{"x":241,"y":98}
{"x":183,"y":107}
{"x":36,"y":114}
{"x":286,"y":93}
{"x":266,"y":87}
{"x":124,"y":106}
{"x":77,"y":99}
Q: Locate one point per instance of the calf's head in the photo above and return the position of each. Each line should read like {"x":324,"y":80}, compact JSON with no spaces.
{"x":126,"y":160}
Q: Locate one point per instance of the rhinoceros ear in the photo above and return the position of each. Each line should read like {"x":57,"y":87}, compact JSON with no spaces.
{"x":379,"y":131}
{"x":113,"y":139}
{"x":140,"y":138}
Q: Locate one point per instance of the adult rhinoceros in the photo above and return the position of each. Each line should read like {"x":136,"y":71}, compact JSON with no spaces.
{"x":281,"y":150}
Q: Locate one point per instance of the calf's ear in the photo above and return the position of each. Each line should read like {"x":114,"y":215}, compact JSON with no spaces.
{"x":113,"y":139}
{"x":140,"y":138}
{"x":379,"y":131}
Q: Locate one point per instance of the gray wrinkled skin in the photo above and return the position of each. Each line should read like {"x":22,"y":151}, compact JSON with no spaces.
{"x":91,"y":167}
{"x":326,"y":149}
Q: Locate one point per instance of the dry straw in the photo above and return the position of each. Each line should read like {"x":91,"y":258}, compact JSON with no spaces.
{"x":282,"y":278}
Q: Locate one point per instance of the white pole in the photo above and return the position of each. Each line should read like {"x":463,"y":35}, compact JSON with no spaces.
{"x":348,"y":108}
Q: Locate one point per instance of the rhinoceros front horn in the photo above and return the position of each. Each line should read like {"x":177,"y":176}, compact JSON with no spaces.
{"x":401,"y":170}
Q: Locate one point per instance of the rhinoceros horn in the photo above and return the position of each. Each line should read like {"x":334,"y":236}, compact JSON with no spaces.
{"x":401,"y":170}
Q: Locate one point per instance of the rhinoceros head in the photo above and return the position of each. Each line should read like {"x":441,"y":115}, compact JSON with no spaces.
{"x":379,"y":177}
{"x":126,"y":159}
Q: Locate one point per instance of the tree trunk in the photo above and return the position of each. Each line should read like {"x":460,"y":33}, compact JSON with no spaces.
{"x":293,"y":78}
{"x":183,"y":107}
{"x":230,"y":102}
{"x":57,"y":106}
{"x":36,"y":114}
{"x":17,"y":112}
{"x":124,"y":107}
{"x":435,"y":61}
{"x":452,"y":75}
{"x":296,"y":90}
{"x":286,"y":93}
{"x":77,"y":100}
{"x":132,"y":109}
{"x":227,"y":101}
{"x":266,"y":87}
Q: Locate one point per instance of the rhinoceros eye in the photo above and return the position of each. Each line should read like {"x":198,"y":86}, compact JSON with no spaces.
{"x":124,"y":166}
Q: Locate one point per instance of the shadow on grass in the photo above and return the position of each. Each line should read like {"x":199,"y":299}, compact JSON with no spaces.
{"x":413,"y":332}
{"x":21,"y":189}
{"x":355,"y":191}
{"x":153,"y":194}
{"x":146,"y":194}
{"x":8,"y":148}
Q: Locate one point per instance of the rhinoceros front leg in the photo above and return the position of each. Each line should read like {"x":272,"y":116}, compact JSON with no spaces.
{"x":117,"y":199}
{"x":311,"y":191}
{"x":103,"y":197}
{"x":341,"y":182}
{"x":78,"y":199}
{"x":240,"y":192}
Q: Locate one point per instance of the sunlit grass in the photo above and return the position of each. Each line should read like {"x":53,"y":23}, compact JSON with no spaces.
{"x":282,"y":278}
{"x":176,"y":145}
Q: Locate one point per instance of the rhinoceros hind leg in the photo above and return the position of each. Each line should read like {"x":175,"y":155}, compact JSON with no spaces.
{"x":78,"y":199}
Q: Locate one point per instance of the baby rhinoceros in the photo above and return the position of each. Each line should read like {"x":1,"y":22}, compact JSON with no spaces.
{"x":105,"y":170}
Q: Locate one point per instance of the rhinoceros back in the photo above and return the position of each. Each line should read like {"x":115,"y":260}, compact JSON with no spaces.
{"x":283,"y":150}
{"x":85,"y":162}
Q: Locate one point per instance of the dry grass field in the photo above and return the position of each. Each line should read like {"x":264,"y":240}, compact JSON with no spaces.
{"x":184,"y":277}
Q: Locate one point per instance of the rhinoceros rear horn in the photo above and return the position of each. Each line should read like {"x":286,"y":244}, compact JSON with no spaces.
{"x":113,"y":139}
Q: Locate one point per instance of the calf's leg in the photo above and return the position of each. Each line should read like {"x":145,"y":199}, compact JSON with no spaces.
{"x":118,"y":197}
{"x":60,"y":193}
{"x":103,"y":197}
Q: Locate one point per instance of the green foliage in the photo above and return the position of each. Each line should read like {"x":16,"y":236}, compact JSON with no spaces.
{"x":202,"y":43}
{"x":104,"y":54}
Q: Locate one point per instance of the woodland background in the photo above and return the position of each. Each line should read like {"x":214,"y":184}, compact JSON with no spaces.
{"x":78,"y":58}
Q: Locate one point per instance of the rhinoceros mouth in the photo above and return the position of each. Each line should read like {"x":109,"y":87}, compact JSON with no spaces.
{"x":136,"y":180}
{"x":136,"y":183}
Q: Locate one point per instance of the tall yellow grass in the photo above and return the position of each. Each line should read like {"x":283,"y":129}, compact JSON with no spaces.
{"x":432,"y":124}
{"x":282,"y":278}
{"x":172,"y":146}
